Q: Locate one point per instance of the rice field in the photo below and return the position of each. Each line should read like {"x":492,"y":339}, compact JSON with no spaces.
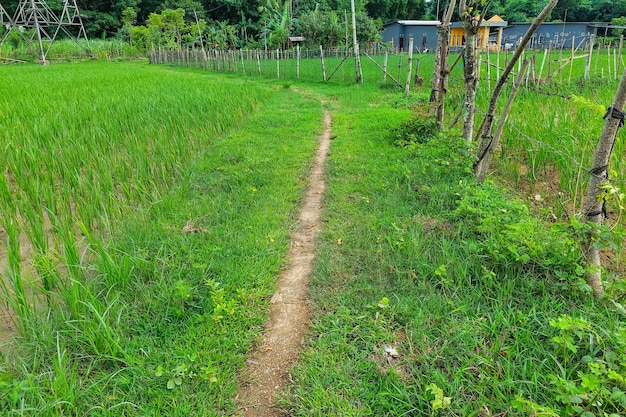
{"x":83,"y":143}
{"x":101,"y":246}
{"x":145,"y":212}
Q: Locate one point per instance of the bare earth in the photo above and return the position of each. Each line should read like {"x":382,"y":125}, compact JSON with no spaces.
{"x":268,"y":369}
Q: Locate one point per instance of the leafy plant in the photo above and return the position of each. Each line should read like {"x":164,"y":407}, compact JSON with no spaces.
{"x":415,"y":130}
{"x":440,"y":402}
{"x":598,"y":387}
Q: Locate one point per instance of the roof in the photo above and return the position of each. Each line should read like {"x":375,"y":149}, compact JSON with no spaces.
{"x":296,"y":38}
{"x":495,"y":21}
{"x":415,"y":23}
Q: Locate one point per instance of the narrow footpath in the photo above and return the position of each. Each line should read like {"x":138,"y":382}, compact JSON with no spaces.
{"x":268,"y":369}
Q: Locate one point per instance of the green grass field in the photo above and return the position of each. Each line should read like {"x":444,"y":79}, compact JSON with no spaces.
{"x":145,"y":214}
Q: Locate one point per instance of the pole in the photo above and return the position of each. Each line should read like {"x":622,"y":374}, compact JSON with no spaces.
{"x":297,"y":60}
{"x":588,"y":66}
{"x":357,"y":58}
{"x":385,"y":67}
{"x":407,"y":87}
{"x":323,"y":63}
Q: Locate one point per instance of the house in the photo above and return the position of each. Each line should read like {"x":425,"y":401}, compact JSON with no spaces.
{"x":489,"y":34}
{"x":423,"y":32}
{"x":556,"y":34}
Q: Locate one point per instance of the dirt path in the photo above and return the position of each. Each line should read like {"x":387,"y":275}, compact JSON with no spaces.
{"x":268,"y":368}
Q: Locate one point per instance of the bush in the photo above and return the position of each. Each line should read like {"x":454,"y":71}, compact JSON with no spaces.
{"x":416,"y":130}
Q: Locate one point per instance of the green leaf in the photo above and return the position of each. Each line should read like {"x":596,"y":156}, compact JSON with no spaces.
{"x":171,"y":384}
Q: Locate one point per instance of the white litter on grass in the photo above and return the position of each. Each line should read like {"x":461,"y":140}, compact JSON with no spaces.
{"x":391,"y":351}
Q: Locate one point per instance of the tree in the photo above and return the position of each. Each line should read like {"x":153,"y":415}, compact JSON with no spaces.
{"x":320,"y":28}
{"x":472,"y":12}
{"x":488,"y":143}
{"x":593,"y":208}
{"x":441,"y":72}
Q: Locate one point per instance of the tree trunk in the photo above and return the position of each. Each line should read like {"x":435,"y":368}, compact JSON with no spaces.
{"x":440,"y":72}
{"x":593,"y":208}
{"x":472,"y":20}
{"x":471,"y":82}
{"x":486,"y":143}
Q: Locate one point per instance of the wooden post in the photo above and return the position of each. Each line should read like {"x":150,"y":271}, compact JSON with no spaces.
{"x":278,"y":63}
{"x":399,"y":65}
{"x":621,"y":45}
{"x":323,"y":63}
{"x":543,"y":62}
{"x":357,"y":57}
{"x":243,"y":67}
{"x":258,"y":61}
{"x":417,"y":80}
{"x":407,"y":87}
{"x":385,"y":67}
{"x":298,"y":60}
{"x":488,"y":70}
{"x":588,"y":63}
{"x":608,"y":60}
{"x":498,"y":65}
{"x":571,"y":62}
{"x":549,"y":59}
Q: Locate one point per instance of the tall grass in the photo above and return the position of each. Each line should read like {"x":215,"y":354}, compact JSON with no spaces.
{"x":144,"y":247}
{"x":82,"y":145}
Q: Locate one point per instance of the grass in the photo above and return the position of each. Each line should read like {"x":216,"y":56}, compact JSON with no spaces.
{"x":175,"y":275}
{"x":192,"y":251}
{"x":411,"y":258}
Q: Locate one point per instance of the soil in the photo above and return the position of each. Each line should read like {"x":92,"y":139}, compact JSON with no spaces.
{"x":268,"y":369}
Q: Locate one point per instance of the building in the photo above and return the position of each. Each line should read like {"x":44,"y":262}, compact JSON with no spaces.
{"x":559,"y":35}
{"x":494,"y":34}
{"x":423,"y":32}
{"x":489,"y":34}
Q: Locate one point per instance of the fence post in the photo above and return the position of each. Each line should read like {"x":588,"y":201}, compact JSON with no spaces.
{"x":278,"y":63}
{"x":323,"y":63}
{"x":385,"y":67}
{"x":407,"y":87}
{"x":297,"y":60}
{"x":621,"y":45}
{"x":258,"y":61}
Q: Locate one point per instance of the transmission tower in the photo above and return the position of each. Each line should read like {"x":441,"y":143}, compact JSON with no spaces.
{"x":45,"y":25}
{"x":5,"y":19}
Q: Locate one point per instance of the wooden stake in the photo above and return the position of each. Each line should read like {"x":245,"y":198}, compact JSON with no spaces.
{"x":588,"y":64}
{"x":543,"y":61}
{"x":298,"y":60}
{"x":621,"y":45}
{"x":571,"y":62}
{"x":407,"y":87}
{"x":488,"y":71}
{"x":385,"y":68}
{"x":323,"y":63}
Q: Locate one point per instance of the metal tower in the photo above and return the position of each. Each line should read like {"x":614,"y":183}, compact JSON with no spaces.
{"x":5,"y":19}
{"x":46,"y":25}
{"x":70,"y":17}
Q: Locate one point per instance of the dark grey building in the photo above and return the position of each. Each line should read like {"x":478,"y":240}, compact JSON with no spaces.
{"x":424,"y":33}
{"x":561,"y":35}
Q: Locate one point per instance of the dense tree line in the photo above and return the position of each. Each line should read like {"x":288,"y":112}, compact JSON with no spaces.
{"x":323,"y":21}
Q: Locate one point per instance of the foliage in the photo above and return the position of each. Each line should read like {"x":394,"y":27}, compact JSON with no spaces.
{"x":594,"y":360}
{"x":418,"y":129}
{"x":320,"y":28}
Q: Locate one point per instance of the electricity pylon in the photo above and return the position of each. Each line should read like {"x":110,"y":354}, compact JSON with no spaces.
{"x":45,"y":25}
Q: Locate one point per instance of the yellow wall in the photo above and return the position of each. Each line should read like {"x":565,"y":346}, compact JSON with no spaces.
{"x":457,"y":37}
